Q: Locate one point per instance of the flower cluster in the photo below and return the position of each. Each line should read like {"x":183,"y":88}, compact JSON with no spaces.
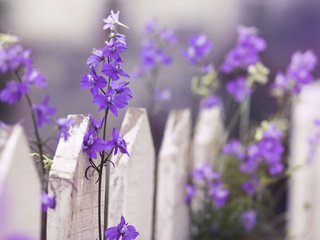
{"x":246,"y":52}
{"x":108,"y":92}
{"x":123,"y":231}
{"x":239,"y":89}
{"x":298,"y":74}
{"x":206,"y":181}
{"x":199,"y":47}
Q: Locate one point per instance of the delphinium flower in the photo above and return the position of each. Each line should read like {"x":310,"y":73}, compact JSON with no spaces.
{"x":47,"y":202}
{"x":199,"y":47}
{"x":211,"y":101}
{"x":248,"y":219}
{"x":154,"y":55}
{"x":234,"y":148}
{"x":64,"y":125}
{"x":250,"y":186}
{"x":117,"y":143}
{"x":239,"y":89}
{"x":123,"y":231}
{"x":16,"y":62}
{"x":298,"y":74}
{"x":110,"y":93}
{"x":246,"y":52}
{"x":208,"y":182}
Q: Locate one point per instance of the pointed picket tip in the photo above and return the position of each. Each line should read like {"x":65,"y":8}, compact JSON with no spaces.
{"x":131,"y":181}
{"x":172,"y":216}
{"x":209,"y":132}
{"x":75,"y":216}
{"x":20,"y":188}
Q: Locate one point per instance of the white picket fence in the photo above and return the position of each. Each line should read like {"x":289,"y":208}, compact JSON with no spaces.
{"x":129,"y":186}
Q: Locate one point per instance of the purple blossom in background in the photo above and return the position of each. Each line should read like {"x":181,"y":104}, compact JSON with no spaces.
{"x":93,"y":81}
{"x":47,"y":202}
{"x":64,"y":125}
{"x":13,"y":92}
{"x":34,"y":77}
{"x":199,"y":47}
{"x":117,"y":142}
{"x":234,"y":148}
{"x":203,"y":173}
{"x":298,"y":74}
{"x":123,"y":231}
{"x":169,"y":36}
{"x":211,"y":101}
{"x":276,"y":168}
{"x":271,"y":150}
{"x":93,"y":144}
{"x":249,"y":166}
{"x":248,"y":219}
{"x":239,"y":89}
{"x":13,"y":57}
{"x":246,"y":52}
{"x":219,"y":195}
{"x":191,"y":191}
{"x":251,"y":186}
{"x":162,"y":95}
{"x":152,"y":55}
{"x":43,"y":112}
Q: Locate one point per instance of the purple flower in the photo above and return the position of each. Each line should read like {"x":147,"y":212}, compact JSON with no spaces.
{"x":168,"y":36}
{"x":248,"y":219}
{"x":34,"y":77}
{"x":234,"y":148}
{"x":64,"y":125}
{"x":93,"y":81}
{"x":13,"y":92}
{"x":276,"y":168}
{"x":152,"y":55}
{"x":162,"y":95}
{"x":47,"y":202}
{"x":117,"y":142}
{"x":112,"y":21}
{"x":246,"y":52}
{"x":97,"y":125}
{"x":204,"y":172}
{"x":249,"y":166}
{"x":191,"y":191}
{"x":93,"y":144}
{"x":298,"y":74}
{"x":13,"y":57}
{"x":211,"y":101}
{"x":113,"y":49}
{"x":271,"y":150}
{"x":114,"y":99}
{"x":219,"y":195}
{"x":95,"y":59}
{"x":251,"y":186}
{"x":239,"y":89}
{"x":123,"y":231}
{"x":199,"y":47}
{"x":114,"y":71}
{"x":43,"y":111}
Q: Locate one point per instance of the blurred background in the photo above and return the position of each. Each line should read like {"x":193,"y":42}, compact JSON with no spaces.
{"x":62,"y":33}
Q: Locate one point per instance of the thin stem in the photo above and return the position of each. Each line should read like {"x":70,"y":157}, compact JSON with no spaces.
{"x":245,"y":119}
{"x":41,"y":171}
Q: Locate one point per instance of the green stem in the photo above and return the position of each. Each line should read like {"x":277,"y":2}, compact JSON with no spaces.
{"x":245,"y":119}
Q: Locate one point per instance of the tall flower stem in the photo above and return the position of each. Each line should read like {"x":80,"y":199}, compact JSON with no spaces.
{"x":245,"y":119}
{"x":41,"y":169}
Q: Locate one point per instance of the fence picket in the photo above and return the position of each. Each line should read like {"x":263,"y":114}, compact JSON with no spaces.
{"x":172,"y":221}
{"x":207,"y":136}
{"x":20,"y":207}
{"x":75,"y":216}
{"x":304,"y":193}
{"x":131,"y":182}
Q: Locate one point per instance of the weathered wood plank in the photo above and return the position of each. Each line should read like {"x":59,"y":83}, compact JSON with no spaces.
{"x":20,"y":206}
{"x":131,"y":183}
{"x":304,"y":191}
{"x":208,"y":134}
{"x":75,"y":216}
{"x":172,"y":218}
